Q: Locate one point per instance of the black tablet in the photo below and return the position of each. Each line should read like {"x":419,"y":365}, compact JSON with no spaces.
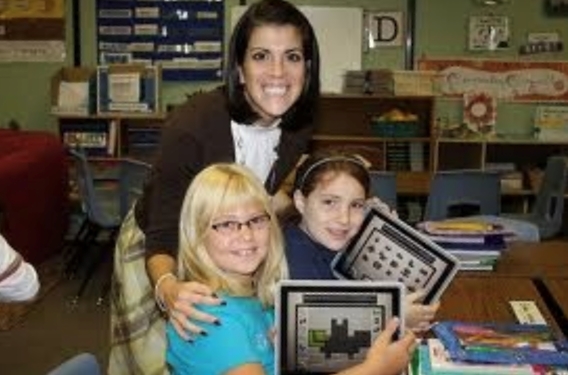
{"x":327,"y":326}
{"x":386,"y":248}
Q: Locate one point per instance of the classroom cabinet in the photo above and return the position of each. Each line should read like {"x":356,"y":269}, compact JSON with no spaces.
{"x":113,"y":135}
{"x":394,"y":133}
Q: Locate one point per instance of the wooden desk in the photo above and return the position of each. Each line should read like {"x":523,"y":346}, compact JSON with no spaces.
{"x":543,"y":259}
{"x":555,"y":292}
{"x":486,"y":299}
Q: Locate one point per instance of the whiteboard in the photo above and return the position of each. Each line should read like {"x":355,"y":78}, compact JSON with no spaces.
{"x":340,"y":36}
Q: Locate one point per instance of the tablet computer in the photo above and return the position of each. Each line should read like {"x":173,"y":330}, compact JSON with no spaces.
{"x":386,"y":248}
{"x":327,"y":326}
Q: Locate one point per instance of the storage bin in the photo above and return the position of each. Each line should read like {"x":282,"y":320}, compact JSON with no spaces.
{"x":398,"y":129}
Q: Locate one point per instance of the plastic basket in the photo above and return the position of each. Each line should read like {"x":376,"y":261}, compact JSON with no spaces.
{"x":397,"y":129}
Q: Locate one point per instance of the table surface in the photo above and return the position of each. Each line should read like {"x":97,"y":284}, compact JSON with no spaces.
{"x":543,"y":259}
{"x":556,"y":292}
{"x":559,"y":289}
{"x":486,"y":299}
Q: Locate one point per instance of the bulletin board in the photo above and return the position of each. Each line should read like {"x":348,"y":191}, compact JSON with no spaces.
{"x":184,"y":37}
{"x":32,"y":31}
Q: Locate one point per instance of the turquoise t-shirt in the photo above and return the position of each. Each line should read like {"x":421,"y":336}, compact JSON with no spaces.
{"x":242,"y":337}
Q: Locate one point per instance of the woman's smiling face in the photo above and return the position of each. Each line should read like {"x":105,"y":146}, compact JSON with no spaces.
{"x":273,"y":71}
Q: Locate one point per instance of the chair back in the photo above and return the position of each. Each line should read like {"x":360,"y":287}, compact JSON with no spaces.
{"x":99,"y":206}
{"x":549,"y":204}
{"x":132,"y":176}
{"x":383,"y":186}
{"x":452,"y":190}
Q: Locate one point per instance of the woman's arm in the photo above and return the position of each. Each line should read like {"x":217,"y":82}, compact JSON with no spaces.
{"x":178,"y":298}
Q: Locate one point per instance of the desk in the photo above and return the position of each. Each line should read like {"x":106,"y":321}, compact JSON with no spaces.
{"x":555,"y":292}
{"x":486,"y":299}
{"x":542,"y":259}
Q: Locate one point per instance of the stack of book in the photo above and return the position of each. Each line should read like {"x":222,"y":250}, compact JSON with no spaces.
{"x":478,"y":245}
{"x":489,"y":348}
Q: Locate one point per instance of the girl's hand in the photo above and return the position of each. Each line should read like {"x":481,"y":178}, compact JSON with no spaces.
{"x":180,"y":299}
{"x":386,"y":357}
{"x":376,"y":203}
{"x":419,"y":317}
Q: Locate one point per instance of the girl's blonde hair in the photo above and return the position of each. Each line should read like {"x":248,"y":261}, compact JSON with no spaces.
{"x":218,"y":188}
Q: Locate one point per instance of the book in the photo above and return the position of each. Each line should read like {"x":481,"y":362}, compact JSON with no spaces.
{"x":440,"y":363}
{"x":505,"y":343}
{"x":462,"y":227}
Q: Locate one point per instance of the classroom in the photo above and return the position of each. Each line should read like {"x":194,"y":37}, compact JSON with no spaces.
{"x":459,"y":108}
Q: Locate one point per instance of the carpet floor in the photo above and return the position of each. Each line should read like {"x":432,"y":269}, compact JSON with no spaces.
{"x":55,"y":330}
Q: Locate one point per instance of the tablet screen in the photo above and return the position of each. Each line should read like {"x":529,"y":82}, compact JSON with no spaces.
{"x":327,"y":326}
{"x":386,"y":248}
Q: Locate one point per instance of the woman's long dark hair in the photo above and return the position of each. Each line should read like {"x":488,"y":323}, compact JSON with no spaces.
{"x":280,"y":13}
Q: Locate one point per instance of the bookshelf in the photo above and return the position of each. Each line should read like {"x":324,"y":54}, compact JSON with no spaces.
{"x":350,"y":121}
{"x":118,"y":135}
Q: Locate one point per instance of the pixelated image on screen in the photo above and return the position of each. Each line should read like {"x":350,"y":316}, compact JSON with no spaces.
{"x":333,"y":330}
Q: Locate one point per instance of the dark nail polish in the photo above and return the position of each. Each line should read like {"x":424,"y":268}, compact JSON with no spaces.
{"x":214,"y":295}
{"x":203,"y":333}
{"x":217,"y":323}
{"x":223,"y":303}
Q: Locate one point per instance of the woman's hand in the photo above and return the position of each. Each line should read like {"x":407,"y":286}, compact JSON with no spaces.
{"x":386,"y":357}
{"x":419,"y":317}
{"x":180,"y":299}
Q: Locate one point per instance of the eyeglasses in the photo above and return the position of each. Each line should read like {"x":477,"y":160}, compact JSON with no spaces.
{"x":232,"y":227}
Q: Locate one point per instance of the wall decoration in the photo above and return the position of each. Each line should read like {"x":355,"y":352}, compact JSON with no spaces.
{"x":185,"y":38}
{"x":32,"y":31}
{"x":384,"y":29}
{"x":489,"y":33}
{"x":555,"y":8}
{"x":479,"y":112}
{"x":551,"y":123}
{"x":541,"y":43}
{"x":504,"y":80}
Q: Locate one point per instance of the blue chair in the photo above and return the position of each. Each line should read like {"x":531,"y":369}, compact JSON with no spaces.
{"x":383,"y":186}
{"x":548,"y":208}
{"x":104,"y":208}
{"x":81,"y":364}
{"x":463,"y":193}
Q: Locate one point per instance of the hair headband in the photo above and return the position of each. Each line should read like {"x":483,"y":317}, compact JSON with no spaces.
{"x":330,"y":159}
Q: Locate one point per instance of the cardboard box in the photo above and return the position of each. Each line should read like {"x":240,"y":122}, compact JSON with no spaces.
{"x":73,"y":91}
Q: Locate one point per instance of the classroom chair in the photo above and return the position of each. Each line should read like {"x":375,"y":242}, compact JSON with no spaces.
{"x":81,"y":364}
{"x":548,"y":208}
{"x":463,"y":193}
{"x":383,"y":186}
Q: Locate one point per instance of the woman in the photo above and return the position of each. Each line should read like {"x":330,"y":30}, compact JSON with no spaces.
{"x":330,"y":193}
{"x":261,"y":118}
{"x":231,"y":242}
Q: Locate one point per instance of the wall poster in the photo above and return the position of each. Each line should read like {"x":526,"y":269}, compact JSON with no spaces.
{"x":32,"y":31}
{"x":488,"y":33}
{"x":545,"y":81}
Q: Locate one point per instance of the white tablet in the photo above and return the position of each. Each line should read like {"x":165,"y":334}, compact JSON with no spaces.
{"x":386,"y":248}
{"x":327,"y":326}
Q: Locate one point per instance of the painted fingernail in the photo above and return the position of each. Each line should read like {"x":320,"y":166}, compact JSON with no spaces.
{"x":223,"y":303}
{"x":217,"y":323}
{"x":203,"y":333}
